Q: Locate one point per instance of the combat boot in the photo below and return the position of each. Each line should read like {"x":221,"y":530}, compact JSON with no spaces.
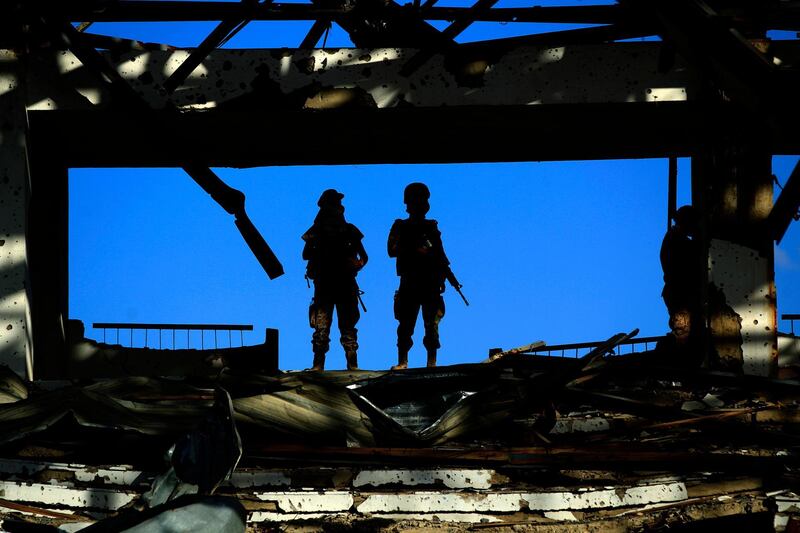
{"x":352,"y":360}
{"x":402,"y":361}
{"x":319,"y":362}
{"x":431,"y":358}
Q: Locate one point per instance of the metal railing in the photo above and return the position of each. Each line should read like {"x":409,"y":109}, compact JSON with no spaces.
{"x":174,"y":328}
{"x":582,"y":348}
{"x":791,"y":319}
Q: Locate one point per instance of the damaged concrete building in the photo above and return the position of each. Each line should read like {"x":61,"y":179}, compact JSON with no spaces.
{"x":603,"y":441}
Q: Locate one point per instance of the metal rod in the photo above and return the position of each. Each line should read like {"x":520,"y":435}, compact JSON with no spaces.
{"x":135,"y":325}
{"x":672,"y":190}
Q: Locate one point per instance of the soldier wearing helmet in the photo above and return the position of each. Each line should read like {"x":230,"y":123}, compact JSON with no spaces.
{"x":422,"y":265}
{"x":335,"y":255}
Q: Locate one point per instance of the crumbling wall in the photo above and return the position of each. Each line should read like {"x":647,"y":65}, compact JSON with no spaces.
{"x":337,"y":78}
{"x":15,"y":343}
{"x":745,"y":278}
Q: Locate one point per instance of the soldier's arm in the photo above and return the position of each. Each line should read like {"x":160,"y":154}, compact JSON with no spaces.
{"x":393,"y":244}
{"x":309,"y":246}
{"x":362,"y":254}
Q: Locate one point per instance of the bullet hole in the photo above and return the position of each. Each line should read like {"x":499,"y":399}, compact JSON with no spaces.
{"x":9,"y":327}
{"x":2,"y":242}
{"x":755,"y":322}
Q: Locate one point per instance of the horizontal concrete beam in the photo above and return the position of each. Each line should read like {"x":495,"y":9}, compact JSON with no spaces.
{"x":259,"y":107}
{"x":371,"y":78}
{"x":511,"y":502}
{"x":450,"y":478}
{"x":65,"y":496}
{"x":366,"y":136}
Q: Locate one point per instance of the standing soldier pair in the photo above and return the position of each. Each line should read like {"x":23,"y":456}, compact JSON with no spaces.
{"x":335,"y":254}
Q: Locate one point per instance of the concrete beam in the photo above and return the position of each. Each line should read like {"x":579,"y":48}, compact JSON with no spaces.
{"x":15,"y":296}
{"x":336,"y":78}
{"x":450,"y":478}
{"x":63,"y":496}
{"x":511,"y":502}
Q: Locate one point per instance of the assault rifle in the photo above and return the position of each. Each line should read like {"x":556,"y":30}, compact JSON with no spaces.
{"x":359,"y":292}
{"x":451,"y":278}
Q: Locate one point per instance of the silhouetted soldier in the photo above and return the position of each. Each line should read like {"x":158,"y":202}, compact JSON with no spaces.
{"x":335,"y":254}
{"x":680,"y":260}
{"x":423,"y":267}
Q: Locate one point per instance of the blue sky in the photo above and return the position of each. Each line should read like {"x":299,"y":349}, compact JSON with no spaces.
{"x":561,"y":252}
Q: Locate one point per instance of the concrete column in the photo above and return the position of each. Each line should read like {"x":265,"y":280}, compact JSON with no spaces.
{"x":15,"y":314}
{"x":735,"y":179}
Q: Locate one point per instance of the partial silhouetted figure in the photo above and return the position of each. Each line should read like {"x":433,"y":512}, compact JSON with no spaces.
{"x":423,"y":267}
{"x":680,"y":260}
{"x":335,"y":255}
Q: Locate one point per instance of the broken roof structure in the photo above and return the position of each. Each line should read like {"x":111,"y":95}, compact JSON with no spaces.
{"x":609,"y":442}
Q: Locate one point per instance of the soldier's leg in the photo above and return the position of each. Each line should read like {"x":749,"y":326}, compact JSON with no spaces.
{"x":406,"y":309}
{"x":320,"y":316}
{"x":347,"y":315}
{"x":432,"y":314}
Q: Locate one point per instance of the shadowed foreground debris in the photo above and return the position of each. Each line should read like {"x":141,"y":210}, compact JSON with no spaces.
{"x":541,"y":443}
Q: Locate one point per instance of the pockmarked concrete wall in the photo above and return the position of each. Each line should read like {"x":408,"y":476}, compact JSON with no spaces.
{"x":746,"y":279}
{"x":15,"y":324}
{"x":335,"y":78}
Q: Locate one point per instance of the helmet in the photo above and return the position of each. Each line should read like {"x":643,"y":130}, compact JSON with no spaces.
{"x":686,"y":216}
{"x":330,"y":197}
{"x":416,"y":191}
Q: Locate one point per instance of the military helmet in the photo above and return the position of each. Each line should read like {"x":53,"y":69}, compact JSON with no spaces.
{"x":330,"y":197}
{"x":686,"y":216}
{"x":416,"y":191}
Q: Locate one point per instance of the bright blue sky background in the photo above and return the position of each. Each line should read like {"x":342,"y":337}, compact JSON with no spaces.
{"x":561,"y":252}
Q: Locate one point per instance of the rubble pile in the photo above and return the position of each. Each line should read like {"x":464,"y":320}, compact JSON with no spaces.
{"x":606,"y":443}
